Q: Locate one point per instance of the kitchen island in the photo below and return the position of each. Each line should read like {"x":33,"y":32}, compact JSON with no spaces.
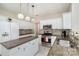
{"x":27,"y":46}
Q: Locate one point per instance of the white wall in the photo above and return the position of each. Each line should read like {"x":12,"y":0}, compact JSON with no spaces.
{"x":75,"y":17}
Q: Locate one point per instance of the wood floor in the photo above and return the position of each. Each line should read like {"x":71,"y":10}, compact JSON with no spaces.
{"x":57,"y":50}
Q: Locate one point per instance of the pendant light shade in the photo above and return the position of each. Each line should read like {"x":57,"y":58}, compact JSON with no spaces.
{"x":27,"y":18}
{"x":32,"y":19}
{"x":20,"y":16}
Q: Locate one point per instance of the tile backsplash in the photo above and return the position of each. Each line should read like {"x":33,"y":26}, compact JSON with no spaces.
{"x":25,"y":31}
{"x":57,"y":31}
{"x":75,"y":33}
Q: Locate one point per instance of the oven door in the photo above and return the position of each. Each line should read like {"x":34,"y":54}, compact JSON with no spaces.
{"x":46,"y":39}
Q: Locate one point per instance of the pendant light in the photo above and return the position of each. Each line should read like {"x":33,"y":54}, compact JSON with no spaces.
{"x":27,"y":18}
{"x":33,"y":19}
{"x":20,"y":14}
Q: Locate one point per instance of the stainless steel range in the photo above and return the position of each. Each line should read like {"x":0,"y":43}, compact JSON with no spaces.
{"x":46,"y":36}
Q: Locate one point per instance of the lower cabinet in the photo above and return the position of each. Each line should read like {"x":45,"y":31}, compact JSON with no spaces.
{"x":53,"y":38}
{"x":75,"y":40}
{"x":0,"y":49}
{"x":27,"y":49}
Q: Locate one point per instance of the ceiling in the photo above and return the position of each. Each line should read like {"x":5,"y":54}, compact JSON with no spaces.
{"x":42,"y":9}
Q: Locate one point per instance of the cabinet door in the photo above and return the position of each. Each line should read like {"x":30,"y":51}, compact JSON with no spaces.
{"x":13,"y":52}
{"x":14,"y":30}
{"x":55,"y":22}
{"x":26,"y":49}
{"x":23,"y":25}
{"x":35,"y":46}
{"x":0,"y":49}
{"x":4,"y":31}
{"x":67,"y":20}
{"x":30,"y":48}
{"x":53,"y":40}
{"x":39,"y":40}
{"x":17,"y":51}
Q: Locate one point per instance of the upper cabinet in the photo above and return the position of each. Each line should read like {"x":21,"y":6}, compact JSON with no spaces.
{"x":56,"y":23}
{"x":67,"y":20}
{"x":24,"y":24}
{"x":14,"y":30}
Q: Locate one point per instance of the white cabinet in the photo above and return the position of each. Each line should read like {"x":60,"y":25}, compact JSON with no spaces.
{"x":53,"y":38}
{"x":0,"y":49}
{"x":14,"y":31}
{"x":44,"y":22}
{"x":41,"y":25}
{"x":4,"y":29}
{"x":8,"y":31}
{"x":31,"y":48}
{"x":35,"y":46}
{"x":25,"y":25}
{"x":40,"y":43}
{"x":17,"y":51}
{"x":27,"y":49}
{"x":67,"y":20}
{"x":56,"y":23}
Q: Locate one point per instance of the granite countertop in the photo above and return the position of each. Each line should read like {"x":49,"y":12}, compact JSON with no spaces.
{"x":17,"y":42}
{"x":76,"y":37}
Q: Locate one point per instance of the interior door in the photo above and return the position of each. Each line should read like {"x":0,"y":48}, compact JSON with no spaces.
{"x":4,"y":31}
